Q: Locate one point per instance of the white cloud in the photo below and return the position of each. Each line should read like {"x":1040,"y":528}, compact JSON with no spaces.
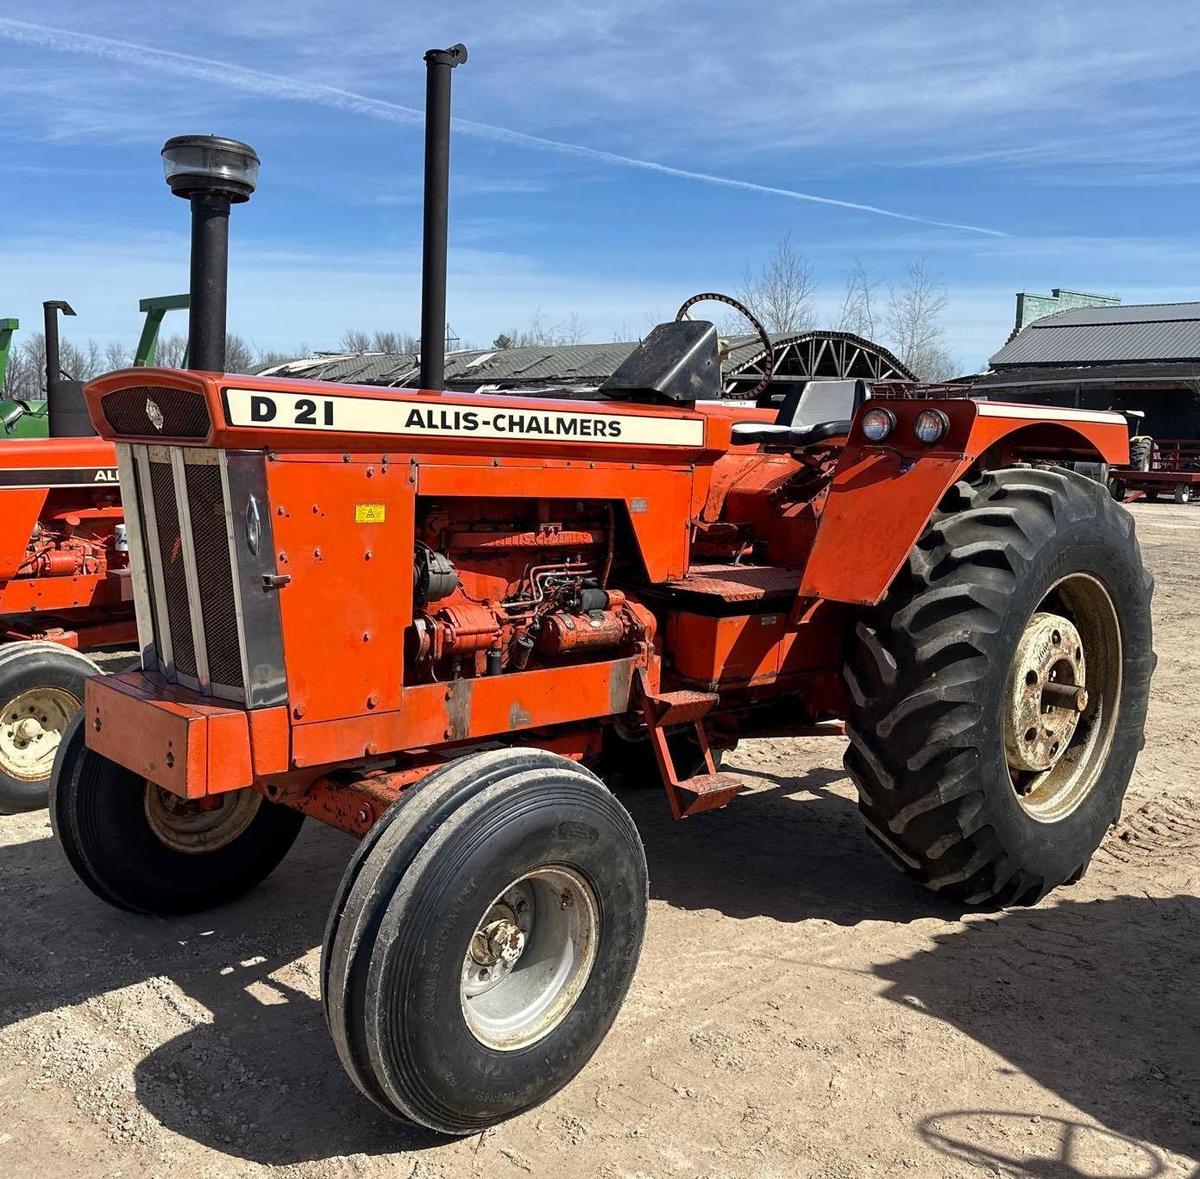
{"x":277,"y":86}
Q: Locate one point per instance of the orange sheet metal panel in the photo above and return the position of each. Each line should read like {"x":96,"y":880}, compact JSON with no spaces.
{"x":344,"y":532}
{"x":748,"y":649}
{"x":26,"y":594}
{"x":878,"y":507}
{"x":191,"y":749}
{"x":321,"y":416}
{"x":21,"y":507}
{"x":270,"y":741}
{"x":433,"y":714}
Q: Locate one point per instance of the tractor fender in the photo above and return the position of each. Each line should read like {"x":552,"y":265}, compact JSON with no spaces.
{"x":881,"y":497}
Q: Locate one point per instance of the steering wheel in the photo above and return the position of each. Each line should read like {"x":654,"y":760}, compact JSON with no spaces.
{"x":743,"y":310}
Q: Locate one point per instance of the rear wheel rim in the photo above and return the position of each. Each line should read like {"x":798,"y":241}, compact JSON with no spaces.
{"x":199,"y":826}
{"x":1071,"y":645}
{"x":31,"y":729}
{"x":529,"y":958}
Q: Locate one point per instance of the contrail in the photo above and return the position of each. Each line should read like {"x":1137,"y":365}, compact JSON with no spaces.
{"x":278,"y":86}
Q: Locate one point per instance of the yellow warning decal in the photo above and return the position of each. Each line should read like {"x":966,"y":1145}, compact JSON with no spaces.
{"x":369,"y":513}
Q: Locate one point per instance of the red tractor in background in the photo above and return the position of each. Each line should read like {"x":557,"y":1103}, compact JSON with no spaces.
{"x":439,"y":621}
{"x":64,"y":561}
{"x":64,"y":576}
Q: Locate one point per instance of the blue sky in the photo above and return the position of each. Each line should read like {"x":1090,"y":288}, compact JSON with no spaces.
{"x":1063,"y":134}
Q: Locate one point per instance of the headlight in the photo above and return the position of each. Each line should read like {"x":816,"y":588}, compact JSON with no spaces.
{"x":931,"y":426}
{"x":877,"y":424}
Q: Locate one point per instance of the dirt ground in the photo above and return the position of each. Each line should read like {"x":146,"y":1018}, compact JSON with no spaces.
{"x":800,"y":1008}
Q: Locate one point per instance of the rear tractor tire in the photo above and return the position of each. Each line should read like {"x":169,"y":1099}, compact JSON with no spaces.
{"x":999,"y":691}
{"x":41,"y":689}
{"x":143,"y":849}
{"x":483,"y":939}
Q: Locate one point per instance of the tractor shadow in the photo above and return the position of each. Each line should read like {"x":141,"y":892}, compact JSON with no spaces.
{"x":1001,"y":1142}
{"x":1097,"y":1001}
{"x":254,"y":1074}
{"x":790,"y":847}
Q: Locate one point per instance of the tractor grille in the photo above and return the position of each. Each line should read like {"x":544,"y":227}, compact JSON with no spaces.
{"x":184,"y":413}
{"x":214,"y":572}
{"x":188,"y":580}
{"x":174,"y":573}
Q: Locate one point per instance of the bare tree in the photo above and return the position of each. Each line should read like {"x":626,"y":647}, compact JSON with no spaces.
{"x":116,"y":355}
{"x":397,"y":343}
{"x":857,"y":314}
{"x":540,"y":332}
{"x":270,"y":358}
{"x":914,"y":322}
{"x":171,"y":351}
{"x":239,"y":355}
{"x":26,"y":370}
{"x":781,"y":293}
{"x":355,"y":340}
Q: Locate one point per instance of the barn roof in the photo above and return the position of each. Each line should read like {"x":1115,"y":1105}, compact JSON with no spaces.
{"x":821,"y":354}
{"x":1106,"y":335}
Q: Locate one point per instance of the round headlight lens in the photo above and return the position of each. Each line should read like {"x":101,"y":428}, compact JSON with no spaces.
{"x":877,"y":424}
{"x":931,"y":426}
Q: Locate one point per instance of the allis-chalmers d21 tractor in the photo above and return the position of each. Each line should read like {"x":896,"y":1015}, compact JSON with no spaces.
{"x":439,"y":620}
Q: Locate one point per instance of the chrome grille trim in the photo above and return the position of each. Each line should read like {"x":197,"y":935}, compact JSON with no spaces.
{"x":143,"y":609}
{"x":188,"y":549}
{"x":150,"y":546}
{"x":233,"y":564}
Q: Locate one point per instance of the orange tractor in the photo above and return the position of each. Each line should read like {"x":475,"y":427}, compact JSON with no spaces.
{"x":64,"y":573}
{"x":439,"y":621}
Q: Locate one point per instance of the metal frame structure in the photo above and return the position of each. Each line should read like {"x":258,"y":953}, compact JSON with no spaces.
{"x":809,"y":356}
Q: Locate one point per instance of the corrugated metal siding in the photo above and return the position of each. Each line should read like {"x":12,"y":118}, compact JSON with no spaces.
{"x":572,"y":363}
{"x":540,"y":367}
{"x":1098,"y":335}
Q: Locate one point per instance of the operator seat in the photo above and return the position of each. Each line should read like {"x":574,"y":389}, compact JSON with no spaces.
{"x":811,"y":412}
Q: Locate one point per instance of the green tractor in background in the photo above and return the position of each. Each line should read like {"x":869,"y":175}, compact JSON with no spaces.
{"x":30,"y":419}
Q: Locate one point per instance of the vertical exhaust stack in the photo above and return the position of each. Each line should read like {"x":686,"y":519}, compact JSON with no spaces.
{"x":212,"y":173}
{"x":66,"y":410}
{"x":438,"y":64}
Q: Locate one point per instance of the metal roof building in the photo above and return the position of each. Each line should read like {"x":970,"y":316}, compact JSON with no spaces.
{"x":1113,"y":335}
{"x":1142,"y":357}
{"x":582,"y":367}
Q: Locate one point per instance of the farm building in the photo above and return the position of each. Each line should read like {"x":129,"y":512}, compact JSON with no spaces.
{"x":800,"y":356}
{"x":1135,"y":357}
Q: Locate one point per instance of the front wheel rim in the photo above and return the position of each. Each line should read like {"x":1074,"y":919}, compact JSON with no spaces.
{"x":1069,"y":658}
{"x":31,"y":729}
{"x":199,"y":826}
{"x":529,"y":958}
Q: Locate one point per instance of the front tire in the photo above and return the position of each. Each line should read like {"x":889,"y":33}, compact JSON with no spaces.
{"x":41,"y":690}
{"x":142,"y":849}
{"x":971,"y":773}
{"x":486,"y":940}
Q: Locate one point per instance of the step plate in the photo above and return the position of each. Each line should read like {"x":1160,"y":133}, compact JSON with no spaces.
{"x":739,"y":583}
{"x":709,"y":792}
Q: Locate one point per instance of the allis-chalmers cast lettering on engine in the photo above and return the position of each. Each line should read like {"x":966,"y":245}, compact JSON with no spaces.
{"x":249,"y":407}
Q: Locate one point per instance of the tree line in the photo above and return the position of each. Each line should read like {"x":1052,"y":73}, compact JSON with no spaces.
{"x":25,"y":379}
{"x":906,"y":317}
